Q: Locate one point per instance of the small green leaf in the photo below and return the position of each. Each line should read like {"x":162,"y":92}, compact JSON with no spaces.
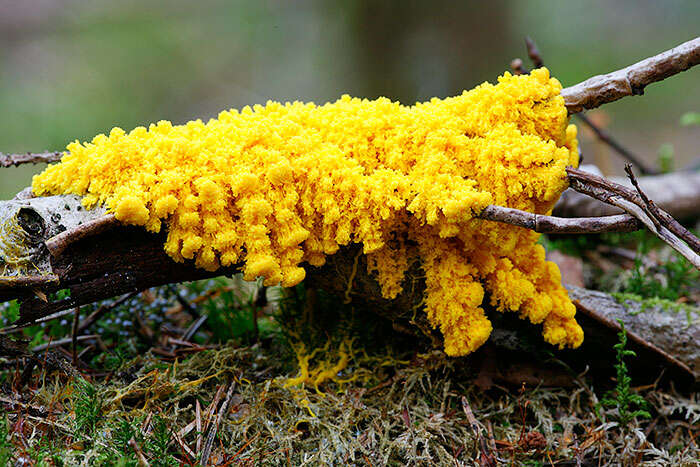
{"x":690,"y":118}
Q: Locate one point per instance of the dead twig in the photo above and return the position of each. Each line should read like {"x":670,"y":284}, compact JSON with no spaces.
{"x":12,"y":404}
{"x":74,"y":343}
{"x":663,"y":217}
{"x":677,"y":193}
{"x":143,"y":462}
{"x":632,"y":80}
{"x":186,"y":305}
{"x":624,"y":152}
{"x":10,"y":160}
{"x":12,"y":328}
{"x":198,"y":424}
{"x":518,"y":67}
{"x":64,"y":341}
{"x":533,"y":52}
{"x":560,"y":225}
{"x":211,"y":435}
{"x":95,"y":315}
{"x":208,"y":414}
{"x":194,"y":327}
{"x":186,"y":429}
{"x":10,"y":348}
{"x":628,"y":200}
{"x":486,"y":459}
{"x":186,"y":449}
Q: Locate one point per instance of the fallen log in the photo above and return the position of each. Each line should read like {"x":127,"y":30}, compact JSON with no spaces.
{"x":664,"y":335}
{"x":113,"y":259}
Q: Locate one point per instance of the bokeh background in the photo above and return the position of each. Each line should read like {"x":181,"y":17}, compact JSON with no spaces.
{"x":72,"y":69}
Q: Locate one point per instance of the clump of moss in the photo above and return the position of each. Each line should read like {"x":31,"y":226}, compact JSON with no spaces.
{"x":673,"y":279}
{"x":637,"y":304}
{"x":394,"y":403}
{"x":409,"y":411}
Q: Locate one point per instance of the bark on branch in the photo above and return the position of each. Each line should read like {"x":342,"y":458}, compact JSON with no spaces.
{"x":632,"y":80}
{"x":560,"y":225}
{"x":95,"y":257}
{"x":63,"y":224}
{"x":9,"y":160}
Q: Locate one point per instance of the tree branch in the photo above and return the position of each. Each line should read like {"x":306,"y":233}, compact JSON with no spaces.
{"x":560,"y":225}
{"x":677,"y":193}
{"x":632,"y":80}
{"x":589,"y":94}
{"x":9,"y":160}
{"x":620,"y":149}
{"x":118,"y":259}
{"x":631,"y":202}
{"x":663,"y":217}
{"x":533,"y":52}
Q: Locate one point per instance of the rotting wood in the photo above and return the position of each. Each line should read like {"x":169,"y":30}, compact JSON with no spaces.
{"x":119,"y":261}
{"x":17,"y":349}
{"x":135,"y":260}
{"x":58,"y":243}
{"x":127,"y":258}
{"x":671,"y":336}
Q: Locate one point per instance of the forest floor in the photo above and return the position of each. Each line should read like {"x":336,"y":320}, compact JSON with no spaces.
{"x":237,"y":374}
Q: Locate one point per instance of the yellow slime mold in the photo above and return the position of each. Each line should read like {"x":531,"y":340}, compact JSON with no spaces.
{"x":278,"y":185}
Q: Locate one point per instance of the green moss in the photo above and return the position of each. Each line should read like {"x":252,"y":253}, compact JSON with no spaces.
{"x":654,"y":303}
{"x":403,"y":406}
{"x":671,"y":280}
{"x":6,"y":447}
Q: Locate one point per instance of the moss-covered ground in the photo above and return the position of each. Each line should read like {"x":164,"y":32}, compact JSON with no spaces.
{"x":245,"y":375}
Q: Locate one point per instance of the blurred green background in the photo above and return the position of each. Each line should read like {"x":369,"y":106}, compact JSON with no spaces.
{"x":72,"y":69}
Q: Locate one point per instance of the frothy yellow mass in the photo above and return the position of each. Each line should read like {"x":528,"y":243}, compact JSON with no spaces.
{"x":276,"y":186}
